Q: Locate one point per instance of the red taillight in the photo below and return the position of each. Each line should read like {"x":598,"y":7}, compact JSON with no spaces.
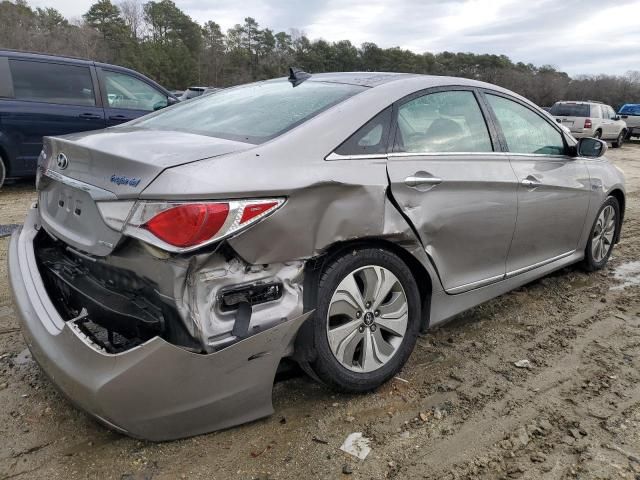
{"x":189,"y":224}
{"x":253,"y":210}
{"x":587,"y":123}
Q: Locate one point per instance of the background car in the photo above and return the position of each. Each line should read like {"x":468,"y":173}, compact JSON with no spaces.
{"x":630,"y":113}
{"x":44,"y":95}
{"x":591,"y":119}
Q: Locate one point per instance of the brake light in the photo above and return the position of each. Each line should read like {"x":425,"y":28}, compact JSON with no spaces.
{"x":587,"y":123}
{"x":190,"y":224}
{"x":185,"y":226}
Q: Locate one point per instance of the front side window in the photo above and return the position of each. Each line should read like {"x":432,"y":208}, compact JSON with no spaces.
{"x":252,"y":113}
{"x":52,"y":83}
{"x":125,"y":91}
{"x":524,"y":130}
{"x":442,"y":122}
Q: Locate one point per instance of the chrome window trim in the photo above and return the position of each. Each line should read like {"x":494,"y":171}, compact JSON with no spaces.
{"x":364,"y":156}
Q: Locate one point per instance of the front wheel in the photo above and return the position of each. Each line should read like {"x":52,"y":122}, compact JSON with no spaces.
{"x":617,"y":143}
{"x":366,"y":321}
{"x":603,"y":235}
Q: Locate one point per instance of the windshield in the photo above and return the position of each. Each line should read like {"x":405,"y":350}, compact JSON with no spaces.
{"x":630,"y":109}
{"x":251,"y":113}
{"x":570,"y":110}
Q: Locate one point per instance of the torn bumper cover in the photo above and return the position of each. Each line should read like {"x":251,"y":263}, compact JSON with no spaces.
{"x":156,"y":390}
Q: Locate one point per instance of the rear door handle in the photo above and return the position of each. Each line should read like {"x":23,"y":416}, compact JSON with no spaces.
{"x":90,"y":116}
{"x":422,"y":179}
{"x":120,"y":118}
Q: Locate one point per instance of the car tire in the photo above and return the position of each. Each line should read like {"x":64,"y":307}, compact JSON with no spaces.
{"x":3,"y":171}
{"x":617,"y":143}
{"x":603,"y":234}
{"x":597,"y":134}
{"x":361,"y":338}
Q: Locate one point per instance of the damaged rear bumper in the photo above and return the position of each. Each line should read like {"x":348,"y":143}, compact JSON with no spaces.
{"x":156,"y":390}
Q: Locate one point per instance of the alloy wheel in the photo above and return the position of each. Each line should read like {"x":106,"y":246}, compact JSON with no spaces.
{"x":367,"y":319}
{"x":602,"y":238}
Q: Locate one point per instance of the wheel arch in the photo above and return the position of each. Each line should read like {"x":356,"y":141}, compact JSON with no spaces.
{"x":315,"y":267}
{"x":618,"y":194}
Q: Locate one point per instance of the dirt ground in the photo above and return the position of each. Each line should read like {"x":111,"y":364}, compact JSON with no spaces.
{"x":460,"y":409}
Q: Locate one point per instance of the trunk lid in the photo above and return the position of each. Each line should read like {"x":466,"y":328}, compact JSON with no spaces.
{"x":107,"y":165}
{"x":125,"y":161}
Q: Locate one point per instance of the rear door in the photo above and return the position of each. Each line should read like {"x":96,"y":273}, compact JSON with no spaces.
{"x":553,"y":190}
{"x":607,"y":122}
{"x":127,"y":97}
{"x":49,"y":99}
{"x":454,"y":186}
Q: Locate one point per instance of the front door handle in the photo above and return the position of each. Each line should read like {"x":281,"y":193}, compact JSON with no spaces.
{"x":422,"y":179}
{"x":531,"y":182}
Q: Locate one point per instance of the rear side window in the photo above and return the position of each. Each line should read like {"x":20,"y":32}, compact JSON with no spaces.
{"x":524,"y":130}
{"x":605,"y":113}
{"x":371,"y":138}
{"x":597,"y":112}
{"x":570,"y":110}
{"x":125,"y":91}
{"x":252,"y":113}
{"x":442,"y":122}
{"x":52,"y":83}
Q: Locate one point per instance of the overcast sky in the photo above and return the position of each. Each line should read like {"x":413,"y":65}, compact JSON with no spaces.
{"x":576,"y":36}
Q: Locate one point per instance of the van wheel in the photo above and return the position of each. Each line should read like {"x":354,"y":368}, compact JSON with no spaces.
{"x":366,"y":321}
{"x":603,"y":234}
{"x":617,"y":143}
{"x":3,"y":171}
{"x":597,"y":134}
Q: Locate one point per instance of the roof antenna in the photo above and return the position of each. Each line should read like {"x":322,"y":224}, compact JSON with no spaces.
{"x":297,"y":76}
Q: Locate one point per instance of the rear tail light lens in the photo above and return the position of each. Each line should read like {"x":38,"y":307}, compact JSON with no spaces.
{"x":587,"y":123}
{"x":190,"y":224}
{"x":181,"y":227}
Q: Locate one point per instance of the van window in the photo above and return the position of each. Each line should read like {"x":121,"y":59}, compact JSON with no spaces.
{"x":125,"y":91}
{"x":52,"y":83}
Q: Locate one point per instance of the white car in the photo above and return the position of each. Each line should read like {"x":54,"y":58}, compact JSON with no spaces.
{"x":591,"y":119}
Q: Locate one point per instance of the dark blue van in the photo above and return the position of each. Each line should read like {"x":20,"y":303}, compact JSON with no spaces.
{"x":43,"y":95}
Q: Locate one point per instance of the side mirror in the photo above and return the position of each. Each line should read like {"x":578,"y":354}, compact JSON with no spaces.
{"x":172,"y":101}
{"x":591,"y":147}
{"x":617,"y":117}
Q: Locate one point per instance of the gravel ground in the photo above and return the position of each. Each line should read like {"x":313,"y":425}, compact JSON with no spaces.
{"x":459,"y":409}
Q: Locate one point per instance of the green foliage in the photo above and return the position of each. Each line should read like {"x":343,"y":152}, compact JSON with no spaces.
{"x":161,"y":41}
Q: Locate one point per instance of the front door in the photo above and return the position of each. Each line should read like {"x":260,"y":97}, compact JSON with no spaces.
{"x":553,"y":190}
{"x":459,"y":194}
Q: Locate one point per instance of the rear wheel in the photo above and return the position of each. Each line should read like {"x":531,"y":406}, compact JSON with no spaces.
{"x":617,"y":143}
{"x":603,"y":235}
{"x":367,"y":320}
{"x":597,"y":134}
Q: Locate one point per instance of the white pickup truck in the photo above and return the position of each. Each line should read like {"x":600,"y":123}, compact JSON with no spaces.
{"x":630,"y":113}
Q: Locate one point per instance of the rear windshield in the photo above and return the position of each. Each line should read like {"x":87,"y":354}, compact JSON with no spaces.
{"x":630,"y":109}
{"x":570,"y":110}
{"x":251,"y":113}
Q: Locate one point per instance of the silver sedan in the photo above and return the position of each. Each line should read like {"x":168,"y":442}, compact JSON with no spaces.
{"x":170,"y":263}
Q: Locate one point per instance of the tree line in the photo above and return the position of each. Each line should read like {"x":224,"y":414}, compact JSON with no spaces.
{"x":161,"y":41}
